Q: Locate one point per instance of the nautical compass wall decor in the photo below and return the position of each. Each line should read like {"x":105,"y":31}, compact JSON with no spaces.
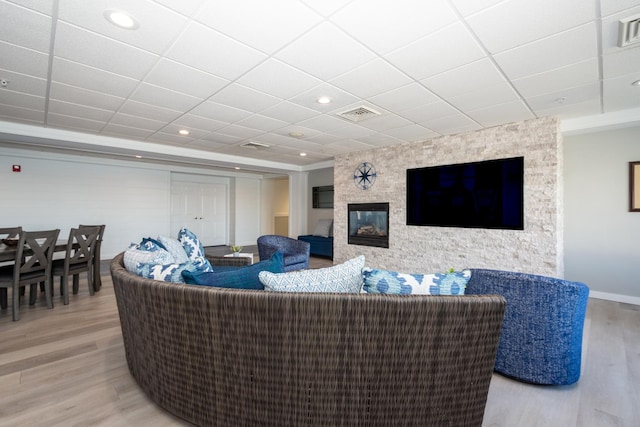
{"x":364,"y":176}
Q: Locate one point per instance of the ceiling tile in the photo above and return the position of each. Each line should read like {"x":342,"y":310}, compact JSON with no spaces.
{"x":574,"y":95}
{"x":42,"y":6}
{"x":136,"y":122}
{"x":76,"y":95}
{"x":289,"y":112}
{"x":23,"y":115}
{"x":588,"y":108}
{"x":100,"y":52}
{"x":326,"y":61}
{"x":623,"y":62}
{"x":466,"y":78}
{"x":372,"y":78}
{"x":572,"y":46}
{"x":242,"y":132}
{"x":405,"y":98}
{"x":514,"y":23}
{"x":283,"y":23}
{"x":181,"y":78}
{"x":324,"y":123}
{"x":339,"y":98}
{"x":126,"y":132}
{"x":609,"y":7}
{"x":352,"y":131}
{"x":220,"y":112}
{"x":435,"y":110}
{"x":411,"y":132}
{"x":153,"y":112}
{"x":578,"y":74}
{"x":451,"y":124}
{"x":74,"y":123}
{"x":191,"y":121}
{"x":158,"y":26}
{"x":29,"y":29}
{"x":81,"y":111}
{"x":208,"y":50}
{"x":262,"y":123}
{"x":222,"y":139}
{"x":620,"y":94}
{"x":484,"y":96}
{"x":82,"y":76}
{"x":22,"y":100}
{"x":156,"y":95}
{"x":325,"y":138}
{"x":278,"y":79}
{"x":245,"y":98}
{"x":23,"y":61}
{"x":385,"y":26}
{"x":385,"y":122}
{"x":186,"y":7}
{"x":24,"y":83}
{"x":284,"y":132}
{"x":500,"y":114}
{"x":327,"y":7}
{"x":444,"y":50}
{"x":469,"y":7}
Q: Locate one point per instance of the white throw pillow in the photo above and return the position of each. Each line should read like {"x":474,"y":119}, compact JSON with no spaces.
{"x":323,"y":228}
{"x":345,"y":277}
{"x":175,"y":248}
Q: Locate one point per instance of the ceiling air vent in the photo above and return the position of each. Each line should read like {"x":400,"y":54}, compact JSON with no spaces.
{"x":629,"y":31}
{"x":255,"y":145}
{"x":359,"y":114}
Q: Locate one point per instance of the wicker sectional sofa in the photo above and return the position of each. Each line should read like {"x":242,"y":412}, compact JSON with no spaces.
{"x":230,"y":357}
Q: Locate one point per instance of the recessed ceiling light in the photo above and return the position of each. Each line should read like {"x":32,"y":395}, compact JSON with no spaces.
{"x":138,"y":157}
{"x":303,"y":154}
{"x":183,"y":132}
{"x":237,"y":168}
{"x":296,"y":134}
{"x":636,"y":83}
{"x":561,"y":100}
{"x":121,"y":19}
{"x":324,"y":100}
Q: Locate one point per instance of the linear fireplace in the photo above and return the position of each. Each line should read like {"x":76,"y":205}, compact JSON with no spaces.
{"x":369,"y":224}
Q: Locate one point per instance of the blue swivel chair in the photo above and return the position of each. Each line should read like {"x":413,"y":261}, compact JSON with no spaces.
{"x":295,"y":253}
{"x":541,"y":340}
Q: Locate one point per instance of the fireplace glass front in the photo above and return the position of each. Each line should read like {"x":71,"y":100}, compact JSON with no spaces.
{"x":369,"y":224}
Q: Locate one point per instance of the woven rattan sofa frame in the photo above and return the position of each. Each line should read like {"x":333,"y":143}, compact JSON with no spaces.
{"x":227,"y":357}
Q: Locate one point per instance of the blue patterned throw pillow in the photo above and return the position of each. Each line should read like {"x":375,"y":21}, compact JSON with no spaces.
{"x":172,"y":272}
{"x":191,"y":243}
{"x":149,"y":251}
{"x":345,"y":277}
{"x":392,"y":282}
{"x":175,"y":248}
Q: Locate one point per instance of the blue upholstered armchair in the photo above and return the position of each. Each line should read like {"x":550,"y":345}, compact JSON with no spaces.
{"x":295,"y":253}
{"x":541,"y":339}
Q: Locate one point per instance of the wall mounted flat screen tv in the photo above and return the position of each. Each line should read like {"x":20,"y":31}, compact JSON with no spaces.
{"x":486,"y":194}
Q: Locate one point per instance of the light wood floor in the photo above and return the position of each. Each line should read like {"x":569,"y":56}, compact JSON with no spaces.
{"x":66,"y":367}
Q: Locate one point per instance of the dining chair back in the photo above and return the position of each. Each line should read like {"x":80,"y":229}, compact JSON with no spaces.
{"x":10,"y":232}
{"x":34,"y":254}
{"x":97,"y":282}
{"x":78,"y":259}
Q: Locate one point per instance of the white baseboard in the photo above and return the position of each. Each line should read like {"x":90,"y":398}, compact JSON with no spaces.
{"x":615,"y":297}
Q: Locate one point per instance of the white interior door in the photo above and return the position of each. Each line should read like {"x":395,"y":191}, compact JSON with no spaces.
{"x":202,"y":208}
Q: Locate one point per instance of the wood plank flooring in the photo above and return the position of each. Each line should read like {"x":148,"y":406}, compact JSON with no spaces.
{"x":66,"y":367}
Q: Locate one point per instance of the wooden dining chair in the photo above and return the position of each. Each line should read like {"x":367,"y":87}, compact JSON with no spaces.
{"x":7,"y":233}
{"x":34,"y":255}
{"x":78,"y":259}
{"x":97,"y":282}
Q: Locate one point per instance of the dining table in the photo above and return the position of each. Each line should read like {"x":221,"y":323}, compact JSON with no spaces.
{"x":8,"y":254}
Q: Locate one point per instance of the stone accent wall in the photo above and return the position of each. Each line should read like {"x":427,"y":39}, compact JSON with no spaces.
{"x":537,"y":249}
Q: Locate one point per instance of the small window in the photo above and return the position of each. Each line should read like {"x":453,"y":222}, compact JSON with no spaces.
{"x":323,"y":197}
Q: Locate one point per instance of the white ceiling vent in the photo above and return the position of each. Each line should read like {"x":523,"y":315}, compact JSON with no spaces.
{"x":629,"y":31}
{"x":254,"y":145}
{"x":359,"y":114}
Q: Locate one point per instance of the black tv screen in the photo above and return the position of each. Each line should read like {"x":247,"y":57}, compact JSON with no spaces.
{"x":487,"y":194}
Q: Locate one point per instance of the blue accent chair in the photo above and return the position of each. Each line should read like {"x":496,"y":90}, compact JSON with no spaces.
{"x":541,"y":339}
{"x":295,"y":253}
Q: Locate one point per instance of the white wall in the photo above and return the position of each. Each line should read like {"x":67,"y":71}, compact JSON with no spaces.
{"x":602,"y":238}
{"x":131,"y":198}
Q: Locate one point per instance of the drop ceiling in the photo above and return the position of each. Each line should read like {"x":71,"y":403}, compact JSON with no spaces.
{"x":238,"y":72}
